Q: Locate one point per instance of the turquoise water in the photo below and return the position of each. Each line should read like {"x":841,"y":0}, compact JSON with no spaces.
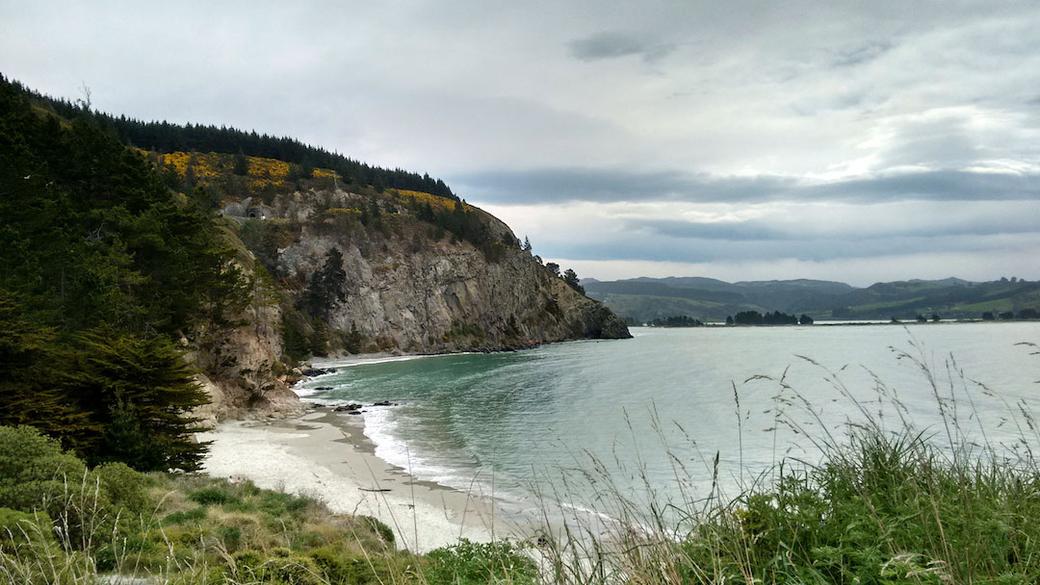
{"x":655,"y":410}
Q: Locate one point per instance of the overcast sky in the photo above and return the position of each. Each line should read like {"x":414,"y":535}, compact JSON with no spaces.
{"x":857,"y":141}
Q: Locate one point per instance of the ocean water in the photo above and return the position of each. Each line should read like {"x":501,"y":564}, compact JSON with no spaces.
{"x":647,"y":417}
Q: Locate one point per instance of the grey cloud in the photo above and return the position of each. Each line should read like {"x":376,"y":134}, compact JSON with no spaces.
{"x":809,"y":249}
{"x":861,"y":54}
{"x":943,"y":185}
{"x":791,"y":230}
{"x":613,"y":44}
{"x":583,"y":184}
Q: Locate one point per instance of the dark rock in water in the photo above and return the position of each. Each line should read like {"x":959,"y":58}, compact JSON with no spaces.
{"x":311,"y":372}
{"x":347,"y":408}
{"x":330,"y":370}
{"x":319,"y":406}
{"x":384,"y":403}
{"x":324,"y":388}
{"x":353,"y":412}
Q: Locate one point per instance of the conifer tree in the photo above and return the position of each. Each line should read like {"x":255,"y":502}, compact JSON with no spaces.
{"x":140,"y":392}
{"x":241,"y":164}
{"x":28,"y":348}
{"x":327,"y":286}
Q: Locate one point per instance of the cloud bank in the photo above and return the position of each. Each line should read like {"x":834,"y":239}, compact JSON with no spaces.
{"x":837,"y":140}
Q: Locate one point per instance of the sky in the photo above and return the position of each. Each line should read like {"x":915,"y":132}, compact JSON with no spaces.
{"x":851,"y":141}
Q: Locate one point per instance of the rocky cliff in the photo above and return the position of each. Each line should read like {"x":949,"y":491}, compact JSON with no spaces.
{"x":241,"y":364}
{"x":412,"y":287}
{"x":418,"y":274}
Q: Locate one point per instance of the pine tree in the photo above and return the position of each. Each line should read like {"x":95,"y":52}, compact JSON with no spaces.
{"x":27,"y":398}
{"x":572,"y":280}
{"x":327,"y":286}
{"x":141,"y":392}
{"x":241,"y":164}
{"x":352,"y":341}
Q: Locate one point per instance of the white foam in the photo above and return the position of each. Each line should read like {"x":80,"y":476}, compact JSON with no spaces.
{"x":278,"y":460}
{"x":351,"y":362}
{"x":380,"y":428}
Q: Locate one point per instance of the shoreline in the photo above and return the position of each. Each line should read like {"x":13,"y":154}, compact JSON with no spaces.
{"x":328,"y":457}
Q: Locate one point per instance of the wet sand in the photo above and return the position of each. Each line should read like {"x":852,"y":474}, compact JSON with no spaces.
{"x":326,"y":455}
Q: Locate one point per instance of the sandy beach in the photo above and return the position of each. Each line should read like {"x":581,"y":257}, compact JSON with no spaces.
{"x":326,"y":455}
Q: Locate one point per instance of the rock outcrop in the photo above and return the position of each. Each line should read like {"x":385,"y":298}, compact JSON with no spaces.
{"x":410,"y":288}
{"x":240,"y":365}
{"x":410,"y":291}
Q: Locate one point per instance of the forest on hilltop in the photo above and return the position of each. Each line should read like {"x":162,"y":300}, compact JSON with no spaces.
{"x":166,"y":137}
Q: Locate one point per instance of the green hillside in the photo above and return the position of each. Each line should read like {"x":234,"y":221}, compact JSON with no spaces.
{"x":645,"y":299}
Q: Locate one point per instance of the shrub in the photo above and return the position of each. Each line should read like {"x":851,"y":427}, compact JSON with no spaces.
{"x":18,"y":528}
{"x":185,"y":516}
{"x":125,"y":488}
{"x":386,"y":534}
{"x":475,"y":563}
{"x":211,"y":495}
{"x":34,"y":470}
{"x":338,"y":567}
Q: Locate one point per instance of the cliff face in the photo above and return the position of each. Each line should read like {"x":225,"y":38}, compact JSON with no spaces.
{"x":448,"y":296}
{"x":410,"y":287}
{"x":241,"y":365}
{"x":413,"y":288}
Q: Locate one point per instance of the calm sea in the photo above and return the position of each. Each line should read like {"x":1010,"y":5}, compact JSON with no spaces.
{"x":653,"y":412}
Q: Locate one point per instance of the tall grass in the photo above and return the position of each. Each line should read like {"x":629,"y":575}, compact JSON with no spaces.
{"x":884,"y":499}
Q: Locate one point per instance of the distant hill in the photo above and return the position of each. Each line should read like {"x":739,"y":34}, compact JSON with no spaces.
{"x":645,"y":299}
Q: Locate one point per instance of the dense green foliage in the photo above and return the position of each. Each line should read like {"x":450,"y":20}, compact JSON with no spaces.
{"x":169,"y":137}
{"x":103,"y":268}
{"x":472,"y":563}
{"x":468,"y":225}
{"x":881,"y":510}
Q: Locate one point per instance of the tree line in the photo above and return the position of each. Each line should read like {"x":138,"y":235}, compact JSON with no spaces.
{"x":105,"y":271}
{"x":774,"y":318}
{"x":676,"y":321}
{"x":170,"y":137}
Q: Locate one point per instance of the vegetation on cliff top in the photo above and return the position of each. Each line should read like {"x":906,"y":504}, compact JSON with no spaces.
{"x":166,"y":137}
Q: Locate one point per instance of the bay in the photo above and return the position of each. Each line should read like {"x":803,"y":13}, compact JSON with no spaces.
{"x":647,"y":417}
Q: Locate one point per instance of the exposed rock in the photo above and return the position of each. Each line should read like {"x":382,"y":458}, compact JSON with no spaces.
{"x":238,"y":367}
{"x":411,"y":288}
{"x":409,"y":292}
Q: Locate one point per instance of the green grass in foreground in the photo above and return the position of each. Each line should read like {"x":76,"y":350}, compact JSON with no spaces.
{"x":882,"y":507}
